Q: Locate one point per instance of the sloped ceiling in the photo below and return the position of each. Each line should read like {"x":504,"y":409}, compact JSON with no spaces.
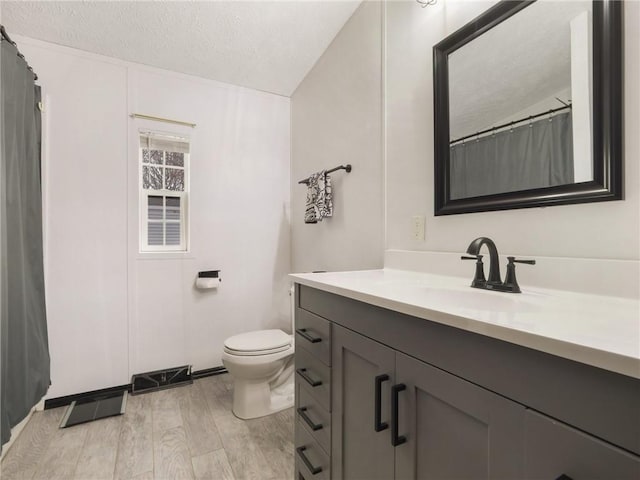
{"x":266,"y":45}
{"x":521,"y":62}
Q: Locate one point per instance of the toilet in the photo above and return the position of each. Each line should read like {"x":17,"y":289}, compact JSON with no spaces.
{"x":261,"y":364}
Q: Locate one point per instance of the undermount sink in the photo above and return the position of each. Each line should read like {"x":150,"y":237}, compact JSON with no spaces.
{"x":458,"y":294}
{"x":472,"y":299}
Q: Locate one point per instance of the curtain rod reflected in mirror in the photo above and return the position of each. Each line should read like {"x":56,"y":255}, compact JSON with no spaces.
{"x":510,"y":124}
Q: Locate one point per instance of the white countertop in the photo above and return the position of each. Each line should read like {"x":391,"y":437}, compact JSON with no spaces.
{"x":597,"y":330}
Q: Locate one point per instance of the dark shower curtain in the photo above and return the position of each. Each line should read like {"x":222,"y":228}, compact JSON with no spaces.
{"x":535,"y":155}
{"x":24,"y":349}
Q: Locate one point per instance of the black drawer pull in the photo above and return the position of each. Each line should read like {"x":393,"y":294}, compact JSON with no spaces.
{"x":313,"y":426}
{"x":378,"y":424}
{"x":564,"y":477}
{"x":305,"y":460}
{"x":395,"y":438}
{"x":303,"y":333}
{"x":307,"y":378}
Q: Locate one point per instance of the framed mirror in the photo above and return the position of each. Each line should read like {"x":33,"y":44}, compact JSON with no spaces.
{"x":528,"y":107}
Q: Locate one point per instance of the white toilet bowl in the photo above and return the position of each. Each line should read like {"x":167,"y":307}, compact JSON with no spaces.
{"x":261,"y":364}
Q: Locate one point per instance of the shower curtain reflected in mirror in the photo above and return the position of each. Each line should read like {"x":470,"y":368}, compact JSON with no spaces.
{"x":534,"y":155}
{"x":24,"y":350}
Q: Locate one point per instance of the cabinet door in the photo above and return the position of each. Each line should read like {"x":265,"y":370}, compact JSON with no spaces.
{"x":553,"y":449}
{"x":453,"y":428}
{"x":358,"y":451}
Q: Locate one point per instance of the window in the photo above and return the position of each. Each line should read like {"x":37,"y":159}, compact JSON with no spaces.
{"x":164,"y":178}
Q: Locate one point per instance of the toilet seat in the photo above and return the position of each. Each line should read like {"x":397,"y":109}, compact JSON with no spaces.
{"x":259,"y":342}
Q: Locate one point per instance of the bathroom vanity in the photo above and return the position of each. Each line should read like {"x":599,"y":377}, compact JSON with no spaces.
{"x":406,"y":375}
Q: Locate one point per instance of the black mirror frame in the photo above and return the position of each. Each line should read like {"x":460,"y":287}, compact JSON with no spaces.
{"x":607,"y":183}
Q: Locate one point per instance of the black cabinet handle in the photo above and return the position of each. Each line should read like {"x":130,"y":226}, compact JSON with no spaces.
{"x":313,"y":426}
{"x":307,"y":378}
{"x":378,"y":424}
{"x":303,"y":333}
{"x":305,"y":460}
{"x":395,"y":438}
{"x":564,"y":477}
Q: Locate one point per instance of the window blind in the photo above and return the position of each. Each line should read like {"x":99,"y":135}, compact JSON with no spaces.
{"x":164,"y":142}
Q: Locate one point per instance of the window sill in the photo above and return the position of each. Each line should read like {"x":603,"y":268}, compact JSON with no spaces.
{"x":165,"y":256}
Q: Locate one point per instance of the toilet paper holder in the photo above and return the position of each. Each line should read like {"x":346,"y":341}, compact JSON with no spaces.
{"x":208,"y":279}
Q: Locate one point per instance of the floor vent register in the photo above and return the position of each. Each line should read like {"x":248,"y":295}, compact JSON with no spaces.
{"x":161,"y":379}
{"x":94,"y":408}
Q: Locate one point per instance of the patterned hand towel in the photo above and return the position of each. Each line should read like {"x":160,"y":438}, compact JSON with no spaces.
{"x":319,"y":198}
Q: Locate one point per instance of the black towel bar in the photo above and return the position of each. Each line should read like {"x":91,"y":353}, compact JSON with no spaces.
{"x":346,"y":167}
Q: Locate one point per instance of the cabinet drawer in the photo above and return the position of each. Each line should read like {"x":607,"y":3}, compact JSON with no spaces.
{"x":313,"y":333}
{"x":553,"y":449}
{"x":314,"y":418}
{"x":314,"y":376}
{"x":310,"y":457}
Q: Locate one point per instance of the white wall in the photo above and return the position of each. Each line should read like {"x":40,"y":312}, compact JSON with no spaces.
{"x":85,"y":205}
{"x":598,"y":230}
{"x":609,"y":230}
{"x":112,"y":311}
{"x":336,"y":117}
{"x":239,"y":223}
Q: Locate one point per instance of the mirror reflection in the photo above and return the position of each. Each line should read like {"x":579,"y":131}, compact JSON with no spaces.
{"x":520,"y":109}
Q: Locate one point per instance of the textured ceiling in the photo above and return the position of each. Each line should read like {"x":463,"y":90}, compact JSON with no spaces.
{"x":515,"y":65}
{"x":266,"y":45}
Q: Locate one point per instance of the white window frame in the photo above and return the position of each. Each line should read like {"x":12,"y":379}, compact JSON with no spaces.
{"x":144,"y":195}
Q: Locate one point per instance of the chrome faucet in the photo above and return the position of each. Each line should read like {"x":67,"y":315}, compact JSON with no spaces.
{"x":495,"y":280}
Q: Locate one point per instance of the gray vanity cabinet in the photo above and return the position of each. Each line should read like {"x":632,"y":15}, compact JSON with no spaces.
{"x":553,"y":449}
{"x":470,"y":406}
{"x":451,"y":428}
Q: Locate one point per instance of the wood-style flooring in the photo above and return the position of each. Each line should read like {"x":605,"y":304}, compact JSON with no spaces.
{"x":183,"y":433}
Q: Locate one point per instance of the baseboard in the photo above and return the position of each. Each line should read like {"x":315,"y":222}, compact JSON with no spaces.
{"x":208,"y":372}
{"x":66,"y":400}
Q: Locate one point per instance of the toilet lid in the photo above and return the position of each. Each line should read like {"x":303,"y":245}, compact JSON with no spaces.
{"x":259,"y":342}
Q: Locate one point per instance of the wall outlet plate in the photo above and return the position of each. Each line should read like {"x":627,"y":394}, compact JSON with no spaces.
{"x":418,"y":223}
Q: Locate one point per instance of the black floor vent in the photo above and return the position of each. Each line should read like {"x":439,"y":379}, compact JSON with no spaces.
{"x":94,"y":408}
{"x":160,"y":379}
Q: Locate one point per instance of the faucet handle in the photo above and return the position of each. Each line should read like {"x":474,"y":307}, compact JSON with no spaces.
{"x":510,"y":282}
{"x":475,"y":257}
{"x":516,"y":260}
